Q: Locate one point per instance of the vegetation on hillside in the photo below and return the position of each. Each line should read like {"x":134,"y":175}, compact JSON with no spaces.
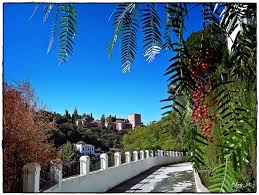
{"x":68,"y":152}
{"x":64,"y":129}
{"x":164,"y":134}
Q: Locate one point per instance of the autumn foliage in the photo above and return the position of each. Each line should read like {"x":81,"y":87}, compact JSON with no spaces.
{"x":22,"y":141}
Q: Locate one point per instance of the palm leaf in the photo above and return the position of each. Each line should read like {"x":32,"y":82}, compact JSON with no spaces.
{"x":67,"y":28}
{"x":151,"y":29}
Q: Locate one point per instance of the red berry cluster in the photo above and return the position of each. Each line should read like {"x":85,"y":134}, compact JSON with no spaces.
{"x":200,"y":99}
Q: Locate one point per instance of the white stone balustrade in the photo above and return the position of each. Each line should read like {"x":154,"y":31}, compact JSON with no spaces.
{"x":117,"y":159}
{"x":31,"y":177}
{"x":162,"y":153}
{"x":135,"y":156}
{"x":141,"y":153}
{"x":56,"y":171}
{"x":104,"y":161}
{"x":147,"y":153}
{"x":84,"y":165}
{"x":151,"y":153}
{"x":127,"y":157}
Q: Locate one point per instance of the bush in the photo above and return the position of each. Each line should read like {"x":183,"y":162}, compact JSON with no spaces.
{"x":23,"y":142}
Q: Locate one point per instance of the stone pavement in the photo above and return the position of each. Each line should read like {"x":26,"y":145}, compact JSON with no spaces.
{"x":171,"y":178}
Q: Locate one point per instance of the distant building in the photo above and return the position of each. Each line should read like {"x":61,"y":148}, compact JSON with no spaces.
{"x":85,"y":149}
{"x":135,"y":120}
{"x":98,"y":123}
{"x":86,"y":122}
{"x":120,"y":125}
{"x":112,"y":125}
{"x":116,"y":123}
{"x":82,"y":123}
{"x":123,"y":124}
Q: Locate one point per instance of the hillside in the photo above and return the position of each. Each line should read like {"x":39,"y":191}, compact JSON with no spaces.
{"x":63,"y":130}
{"x":165,"y":134}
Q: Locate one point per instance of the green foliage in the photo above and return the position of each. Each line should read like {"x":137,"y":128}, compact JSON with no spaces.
{"x":103,"y":121}
{"x":151,"y":29}
{"x":75,"y":116}
{"x":68,"y":152}
{"x":244,"y":54}
{"x":128,"y":41}
{"x":233,"y":150}
{"x":211,"y":37}
{"x":158,"y":135}
{"x":67,"y":28}
{"x":63,"y":26}
{"x":67,"y":115}
{"x":64,"y":130}
{"x":224,"y":177}
{"x":125,"y":25}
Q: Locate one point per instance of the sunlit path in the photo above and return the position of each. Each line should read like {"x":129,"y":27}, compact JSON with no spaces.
{"x":170,"y":178}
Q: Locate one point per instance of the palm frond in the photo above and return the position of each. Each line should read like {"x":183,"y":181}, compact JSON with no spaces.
{"x":119,"y":15}
{"x":35,"y":10}
{"x":48,"y":8}
{"x":151,"y":28}
{"x":224,"y":177}
{"x":128,"y":42}
{"x":67,"y":29}
{"x":54,"y":29}
{"x":168,"y":42}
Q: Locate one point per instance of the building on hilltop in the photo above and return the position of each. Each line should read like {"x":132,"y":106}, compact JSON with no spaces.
{"x":86,"y":149}
{"x":118,"y":124}
{"x":82,"y":123}
{"x":86,"y":122}
{"x":135,"y":120}
{"x":123,"y":124}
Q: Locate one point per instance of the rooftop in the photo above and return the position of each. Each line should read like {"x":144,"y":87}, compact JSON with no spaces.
{"x":82,"y":142}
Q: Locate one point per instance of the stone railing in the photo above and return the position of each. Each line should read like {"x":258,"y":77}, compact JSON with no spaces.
{"x":106,"y":177}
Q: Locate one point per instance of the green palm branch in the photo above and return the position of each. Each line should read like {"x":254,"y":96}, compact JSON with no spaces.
{"x":64,"y":25}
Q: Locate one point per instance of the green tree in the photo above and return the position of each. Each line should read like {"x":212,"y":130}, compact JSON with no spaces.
{"x":67,"y":115}
{"x":75,"y":116}
{"x":103,"y":121}
{"x":68,"y":152}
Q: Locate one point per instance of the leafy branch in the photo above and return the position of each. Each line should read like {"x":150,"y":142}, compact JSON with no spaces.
{"x":151,"y":29}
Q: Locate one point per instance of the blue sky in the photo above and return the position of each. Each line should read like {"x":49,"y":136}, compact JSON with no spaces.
{"x":90,"y":81}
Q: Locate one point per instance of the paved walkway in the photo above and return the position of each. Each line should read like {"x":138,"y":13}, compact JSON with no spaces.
{"x":171,"y":178}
